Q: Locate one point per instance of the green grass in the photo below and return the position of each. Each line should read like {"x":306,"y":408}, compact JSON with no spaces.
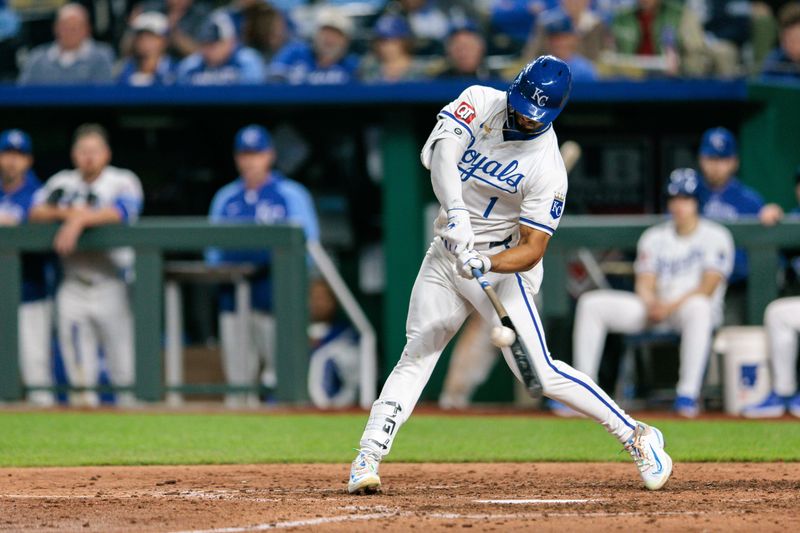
{"x":67,"y":439}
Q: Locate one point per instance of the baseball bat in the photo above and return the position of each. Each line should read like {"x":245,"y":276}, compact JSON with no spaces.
{"x":521,"y":357}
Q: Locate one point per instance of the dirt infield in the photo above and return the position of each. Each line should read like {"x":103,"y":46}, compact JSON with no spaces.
{"x":709,"y":497}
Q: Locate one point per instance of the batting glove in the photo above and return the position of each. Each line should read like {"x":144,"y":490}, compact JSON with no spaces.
{"x":457,"y":236}
{"x":471,"y":259}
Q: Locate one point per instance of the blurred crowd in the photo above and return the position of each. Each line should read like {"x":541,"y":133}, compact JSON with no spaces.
{"x":207,"y":42}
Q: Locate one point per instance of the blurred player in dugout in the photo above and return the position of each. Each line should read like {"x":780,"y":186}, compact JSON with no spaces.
{"x":681,"y":270}
{"x":260,"y":195}
{"x":92,"y":301}
{"x":782,"y":324}
{"x":17,"y":187}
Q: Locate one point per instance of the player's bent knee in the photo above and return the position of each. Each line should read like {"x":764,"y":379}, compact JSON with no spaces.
{"x":698,"y":303}
{"x":589,"y":302}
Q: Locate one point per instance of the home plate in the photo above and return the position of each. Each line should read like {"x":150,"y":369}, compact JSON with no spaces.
{"x":529,"y":502}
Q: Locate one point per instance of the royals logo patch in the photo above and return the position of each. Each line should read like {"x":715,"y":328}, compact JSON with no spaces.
{"x":558,"y":206}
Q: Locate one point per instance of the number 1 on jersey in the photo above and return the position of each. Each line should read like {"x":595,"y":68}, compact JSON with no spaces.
{"x":492,"y":201}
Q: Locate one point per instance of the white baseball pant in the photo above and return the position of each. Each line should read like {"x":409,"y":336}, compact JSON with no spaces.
{"x":245,"y":347}
{"x":782,"y":321}
{"x":35,"y":335}
{"x":90,"y":317}
{"x":608,"y":311}
{"x":440,"y":302}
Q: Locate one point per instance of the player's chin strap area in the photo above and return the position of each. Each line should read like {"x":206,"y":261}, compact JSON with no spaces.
{"x":511,"y":131}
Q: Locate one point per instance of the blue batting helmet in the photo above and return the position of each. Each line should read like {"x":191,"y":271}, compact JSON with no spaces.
{"x":541,"y":89}
{"x":683,"y":182}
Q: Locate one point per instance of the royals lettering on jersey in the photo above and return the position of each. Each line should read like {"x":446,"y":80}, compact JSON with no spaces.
{"x":495,"y":173}
{"x":679,"y":261}
{"x":504,"y":183}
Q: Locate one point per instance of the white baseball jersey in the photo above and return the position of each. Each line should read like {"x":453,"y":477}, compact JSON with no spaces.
{"x":504,"y":183}
{"x":114,"y":187}
{"x":679,"y":261}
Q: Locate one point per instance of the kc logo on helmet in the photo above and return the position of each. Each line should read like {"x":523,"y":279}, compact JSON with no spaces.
{"x":465,"y":112}
{"x":541,"y":99}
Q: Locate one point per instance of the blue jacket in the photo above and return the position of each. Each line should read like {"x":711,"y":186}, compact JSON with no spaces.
{"x":732,"y":202}
{"x":164,"y":74}
{"x":244,"y":67}
{"x":279,"y":201}
{"x":17,"y":205}
{"x":778,"y":66}
{"x":295,"y":64}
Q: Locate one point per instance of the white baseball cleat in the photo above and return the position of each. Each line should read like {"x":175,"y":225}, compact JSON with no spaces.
{"x":646,"y":446}
{"x":364,"y":478}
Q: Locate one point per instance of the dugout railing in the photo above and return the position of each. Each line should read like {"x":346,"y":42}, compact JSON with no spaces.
{"x":151,"y":238}
{"x":763,"y":246}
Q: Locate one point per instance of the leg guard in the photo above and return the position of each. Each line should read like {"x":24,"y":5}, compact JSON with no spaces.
{"x":385,"y":419}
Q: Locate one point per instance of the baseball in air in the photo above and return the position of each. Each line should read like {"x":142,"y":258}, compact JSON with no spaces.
{"x":502,"y":336}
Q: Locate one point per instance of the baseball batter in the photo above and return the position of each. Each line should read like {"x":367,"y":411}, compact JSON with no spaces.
{"x":18,"y":184}
{"x":92,"y":301}
{"x":498,"y":175}
{"x":681,"y":270}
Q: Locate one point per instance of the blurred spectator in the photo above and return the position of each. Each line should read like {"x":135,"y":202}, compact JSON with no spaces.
{"x":466,"y":54}
{"x":511,"y":22}
{"x":723,"y":197}
{"x":333,"y":372}
{"x":221,"y":59}
{"x":727,"y":25}
{"x":149,"y":63}
{"x":391,"y":59}
{"x":588,"y":26}
{"x":665,"y":29}
{"x":562,"y":41}
{"x":185,"y":18}
{"x":326,"y":60}
{"x":431,"y":20}
{"x":260,"y":26}
{"x":261,"y":195}
{"x":18,"y":183}
{"x":681,"y":271}
{"x":784,"y":62}
{"x":92,"y":302}
{"x":9,"y":41}
{"x":73,"y":58}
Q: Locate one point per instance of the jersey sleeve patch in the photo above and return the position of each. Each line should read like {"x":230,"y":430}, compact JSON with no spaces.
{"x":465,"y":112}
{"x":557,"y":207}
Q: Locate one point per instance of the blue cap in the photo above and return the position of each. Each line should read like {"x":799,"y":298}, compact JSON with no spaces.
{"x":683,"y":182}
{"x":467,"y":25}
{"x":718,"y":142}
{"x":557,"y":21}
{"x":16,"y":140}
{"x":252,"y":138}
{"x":392,"y":27}
{"x":217,"y":27}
